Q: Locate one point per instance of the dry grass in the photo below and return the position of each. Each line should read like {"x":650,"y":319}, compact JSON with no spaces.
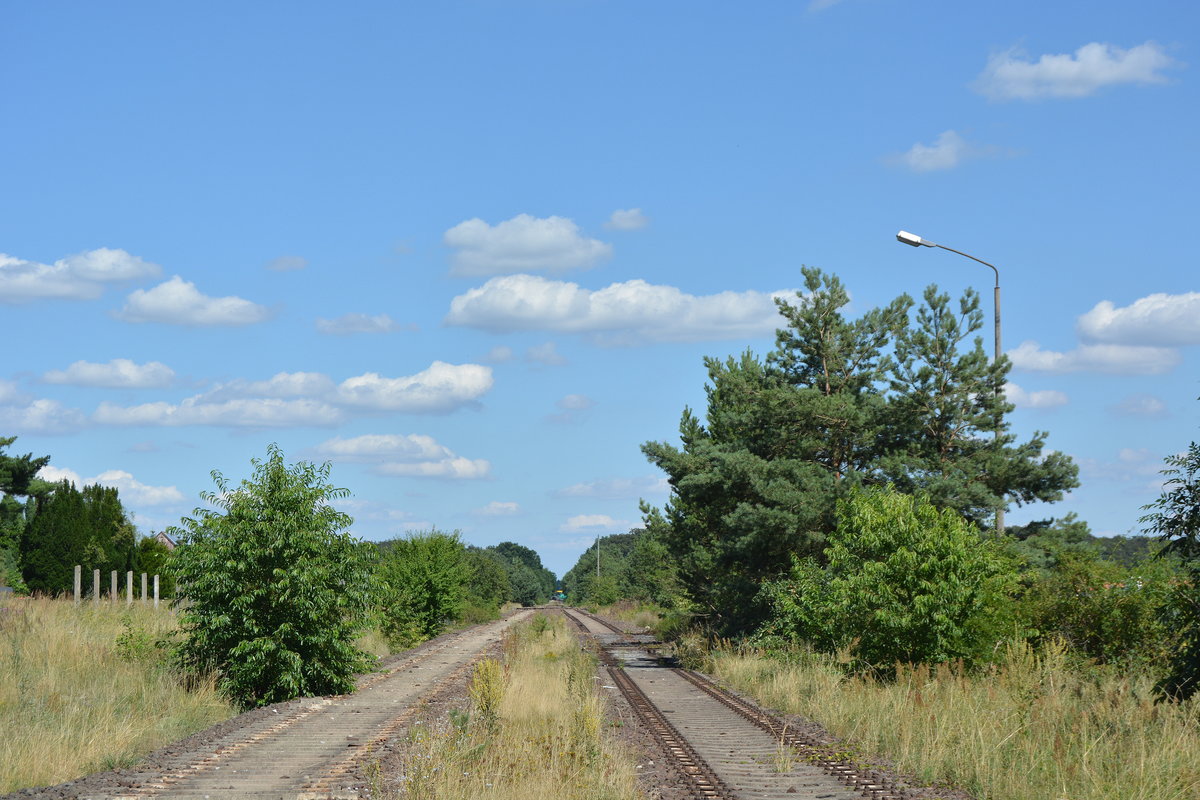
{"x":1034,"y":728}
{"x":535,"y":732}
{"x":637,"y":615}
{"x":84,"y":689}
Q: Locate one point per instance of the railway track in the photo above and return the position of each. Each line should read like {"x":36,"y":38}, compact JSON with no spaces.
{"x":310,"y":750}
{"x":723,"y":746}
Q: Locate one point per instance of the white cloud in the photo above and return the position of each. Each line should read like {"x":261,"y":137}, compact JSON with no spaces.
{"x":627,"y":220}
{"x":546,"y":353}
{"x":313,"y":385}
{"x":287,"y":263}
{"x":439,"y":389}
{"x":499,"y":354}
{"x":498,"y":508}
{"x":632,"y":312}
{"x":78,"y":277}
{"x":617,"y":488}
{"x":9,"y":393}
{"x":948,"y":151}
{"x":575,"y":402}
{"x":1115,"y":359}
{"x":1141,"y":404}
{"x":120,"y":373}
{"x":522,"y":244}
{"x":1137,"y":467}
{"x":178,"y":302}
{"x":596,"y":522}
{"x":1049,"y":398}
{"x":449,"y":469}
{"x":384,"y":447}
{"x":1162,"y":320}
{"x":1009,"y":75}
{"x":251,"y":412}
{"x":131,"y":490}
{"x":347,"y":324}
{"x":48,"y":417}
{"x":413,"y":455}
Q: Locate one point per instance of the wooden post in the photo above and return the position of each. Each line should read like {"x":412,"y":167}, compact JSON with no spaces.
{"x":129,"y":588}
{"x":156,"y":590}
{"x":96,"y":587}
{"x":143,"y":588}
{"x":78,"y":582}
{"x":112,"y":595}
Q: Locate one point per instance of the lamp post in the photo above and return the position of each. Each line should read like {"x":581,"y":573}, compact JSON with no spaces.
{"x":916,"y":241}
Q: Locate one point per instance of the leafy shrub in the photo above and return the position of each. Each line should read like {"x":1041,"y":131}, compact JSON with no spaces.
{"x":422,"y":582}
{"x":905,"y":582}
{"x":276,"y":590}
{"x":1104,"y":611}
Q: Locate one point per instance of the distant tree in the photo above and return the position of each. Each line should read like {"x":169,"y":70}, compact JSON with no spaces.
{"x":276,"y":589}
{"x":531,"y":583}
{"x":422,"y":585}
{"x":152,"y":557}
{"x":487,"y":582}
{"x":88,"y":527}
{"x":18,"y":478}
{"x":1175,"y":518}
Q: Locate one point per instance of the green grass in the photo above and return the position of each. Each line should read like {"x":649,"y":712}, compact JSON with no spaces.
{"x":1034,"y":727}
{"x":85,"y":688}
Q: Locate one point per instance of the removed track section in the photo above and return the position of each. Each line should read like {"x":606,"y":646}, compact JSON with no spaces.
{"x":309,"y":750}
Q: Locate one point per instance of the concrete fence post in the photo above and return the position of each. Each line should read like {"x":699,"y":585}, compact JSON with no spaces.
{"x":156,"y":591}
{"x":112,"y":595}
{"x":143,"y":588}
{"x":96,"y":587}
{"x":78,"y":582}
{"x":129,"y":588}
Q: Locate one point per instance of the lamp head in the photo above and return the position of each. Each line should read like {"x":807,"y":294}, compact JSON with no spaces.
{"x":912,"y":239}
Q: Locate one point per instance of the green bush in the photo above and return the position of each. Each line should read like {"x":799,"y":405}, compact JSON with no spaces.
{"x":1104,"y":611}
{"x":275,"y":589}
{"x":423,"y":583}
{"x":904,"y":582}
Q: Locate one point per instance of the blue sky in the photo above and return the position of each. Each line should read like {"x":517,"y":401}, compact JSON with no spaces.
{"x":473,"y":253}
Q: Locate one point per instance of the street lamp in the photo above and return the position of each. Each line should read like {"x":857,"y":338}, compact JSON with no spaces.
{"x":916,"y":241}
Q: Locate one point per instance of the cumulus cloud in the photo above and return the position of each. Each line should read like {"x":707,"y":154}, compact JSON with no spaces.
{"x":290,"y":399}
{"x":1010,"y":75}
{"x":178,"y":302}
{"x":1115,"y":359}
{"x":630,"y":219}
{"x":360,"y":323}
{"x":42,"y":416}
{"x":522,"y":244}
{"x":546,"y":353}
{"x":1049,"y":398}
{"x":249,"y":412}
{"x":1141,"y":404}
{"x":79,"y":277}
{"x":131,"y":490}
{"x":592,"y":522}
{"x":575,"y":402}
{"x":413,"y":456}
{"x":633,"y":312}
{"x":947,"y":151}
{"x":120,"y":373}
{"x":287,"y":263}
{"x":617,"y":488}
{"x":498,"y":508}
{"x":437,"y":390}
{"x":1160,"y":320}
{"x":1137,"y":467}
{"x":500,"y":354}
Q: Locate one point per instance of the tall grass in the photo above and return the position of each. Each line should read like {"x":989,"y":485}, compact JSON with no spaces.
{"x":1032,"y":728}
{"x":85,"y":688}
{"x":637,"y":615}
{"x":535,"y":731}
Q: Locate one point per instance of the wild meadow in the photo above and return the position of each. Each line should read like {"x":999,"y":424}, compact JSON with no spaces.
{"x":86,"y":688}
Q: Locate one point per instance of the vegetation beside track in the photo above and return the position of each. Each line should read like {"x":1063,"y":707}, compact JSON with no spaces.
{"x":535,"y":730}
{"x":86,"y":689}
{"x":1033,"y":725}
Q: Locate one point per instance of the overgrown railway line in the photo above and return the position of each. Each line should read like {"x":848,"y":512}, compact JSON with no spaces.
{"x":309,"y":750}
{"x":722,"y":745}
